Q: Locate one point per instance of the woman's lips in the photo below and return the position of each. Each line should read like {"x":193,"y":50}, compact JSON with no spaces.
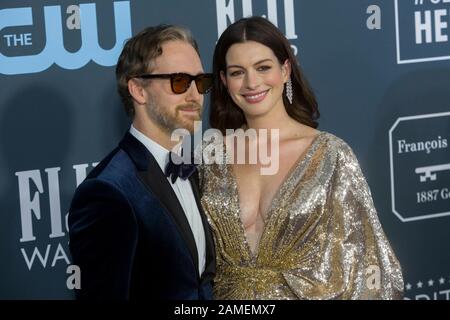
{"x":255,"y":97}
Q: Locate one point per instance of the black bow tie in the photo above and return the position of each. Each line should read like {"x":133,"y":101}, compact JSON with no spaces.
{"x":179,"y":169}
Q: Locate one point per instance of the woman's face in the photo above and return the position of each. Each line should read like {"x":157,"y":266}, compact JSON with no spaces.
{"x":254,"y":78}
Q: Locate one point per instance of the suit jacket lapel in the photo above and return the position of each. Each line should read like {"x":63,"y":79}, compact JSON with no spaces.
{"x":154,"y":179}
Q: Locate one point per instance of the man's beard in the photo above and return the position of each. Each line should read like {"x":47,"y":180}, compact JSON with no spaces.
{"x":170,"y":122}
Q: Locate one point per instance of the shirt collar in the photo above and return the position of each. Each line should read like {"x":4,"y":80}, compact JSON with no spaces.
{"x":160,"y":153}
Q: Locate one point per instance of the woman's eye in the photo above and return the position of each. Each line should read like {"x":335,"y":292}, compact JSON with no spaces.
{"x":264,"y":68}
{"x":235,"y":73}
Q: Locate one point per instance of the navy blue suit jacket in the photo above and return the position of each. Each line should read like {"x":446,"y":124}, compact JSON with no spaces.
{"x":129,"y":234}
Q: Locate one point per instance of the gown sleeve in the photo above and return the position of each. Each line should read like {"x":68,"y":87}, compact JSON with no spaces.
{"x":353,"y":258}
{"x":375,"y":264}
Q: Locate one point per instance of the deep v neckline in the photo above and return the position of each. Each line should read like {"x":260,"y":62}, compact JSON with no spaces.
{"x":299,"y":162}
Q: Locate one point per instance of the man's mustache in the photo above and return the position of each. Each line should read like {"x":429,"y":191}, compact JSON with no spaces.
{"x":190,"y":106}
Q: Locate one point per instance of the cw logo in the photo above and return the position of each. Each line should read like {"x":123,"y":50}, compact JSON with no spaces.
{"x":54,"y":51}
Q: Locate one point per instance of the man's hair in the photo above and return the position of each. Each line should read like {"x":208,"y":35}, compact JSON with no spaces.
{"x":139,"y":53}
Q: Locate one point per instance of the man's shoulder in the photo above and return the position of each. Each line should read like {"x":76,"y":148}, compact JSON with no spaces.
{"x":108,"y":180}
{"x":115,"y":165}
{"x":116,"y":172}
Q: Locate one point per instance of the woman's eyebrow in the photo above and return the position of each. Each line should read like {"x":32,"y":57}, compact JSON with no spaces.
{"x":260,"y":61}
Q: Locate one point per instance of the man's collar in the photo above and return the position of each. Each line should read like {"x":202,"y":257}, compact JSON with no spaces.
{"x":160,"y":153}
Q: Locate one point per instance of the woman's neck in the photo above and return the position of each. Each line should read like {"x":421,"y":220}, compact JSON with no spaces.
{"x":276,"y":118}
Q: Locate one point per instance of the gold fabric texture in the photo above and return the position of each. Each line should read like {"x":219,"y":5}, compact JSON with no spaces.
{"x":322,"y":238}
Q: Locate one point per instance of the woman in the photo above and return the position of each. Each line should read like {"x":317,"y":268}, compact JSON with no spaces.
{"x":309,"y":231}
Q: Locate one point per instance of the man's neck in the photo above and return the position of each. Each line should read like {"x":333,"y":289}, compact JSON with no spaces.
{"x":155,"y":133}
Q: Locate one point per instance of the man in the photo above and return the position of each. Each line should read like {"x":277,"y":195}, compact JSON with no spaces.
{"x":133,"y":232}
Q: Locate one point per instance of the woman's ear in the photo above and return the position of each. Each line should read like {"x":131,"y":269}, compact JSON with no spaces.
{"x":286,"y":70}
{"x":136,"y":91}
{"x":223,"y":78}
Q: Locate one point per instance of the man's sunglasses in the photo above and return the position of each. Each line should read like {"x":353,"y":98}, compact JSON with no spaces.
{"x":180,"y":82}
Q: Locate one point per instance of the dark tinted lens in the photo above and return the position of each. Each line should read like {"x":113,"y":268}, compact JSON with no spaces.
{"x":204,"y":83}
{"x":180,"y":83}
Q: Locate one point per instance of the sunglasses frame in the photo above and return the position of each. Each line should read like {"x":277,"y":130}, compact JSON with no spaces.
{"x":197,"y":78}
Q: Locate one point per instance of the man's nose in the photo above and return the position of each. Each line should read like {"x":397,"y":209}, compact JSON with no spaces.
{"x":192,"y":93}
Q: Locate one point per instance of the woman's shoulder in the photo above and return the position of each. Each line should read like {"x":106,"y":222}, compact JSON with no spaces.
{"x":334,"y":143}
{"x":336,"y":150}
{"x":326,"y":140}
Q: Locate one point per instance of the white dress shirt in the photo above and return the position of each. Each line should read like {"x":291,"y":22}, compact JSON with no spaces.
{"x":184,"y":193}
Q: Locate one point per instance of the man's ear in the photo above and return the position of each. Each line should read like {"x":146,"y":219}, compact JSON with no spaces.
{"x":286,"y":70}
{"x":223,"y":78}
{"x":136,"y":91}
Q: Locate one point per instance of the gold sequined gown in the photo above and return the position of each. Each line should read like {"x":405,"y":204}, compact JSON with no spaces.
{"x":322,"y":238}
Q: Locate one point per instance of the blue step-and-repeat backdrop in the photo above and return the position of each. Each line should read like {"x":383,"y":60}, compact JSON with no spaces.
{"x":380,"y":69}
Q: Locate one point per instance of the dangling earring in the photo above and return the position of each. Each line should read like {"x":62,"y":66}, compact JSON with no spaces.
{"x":289,"y":90}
